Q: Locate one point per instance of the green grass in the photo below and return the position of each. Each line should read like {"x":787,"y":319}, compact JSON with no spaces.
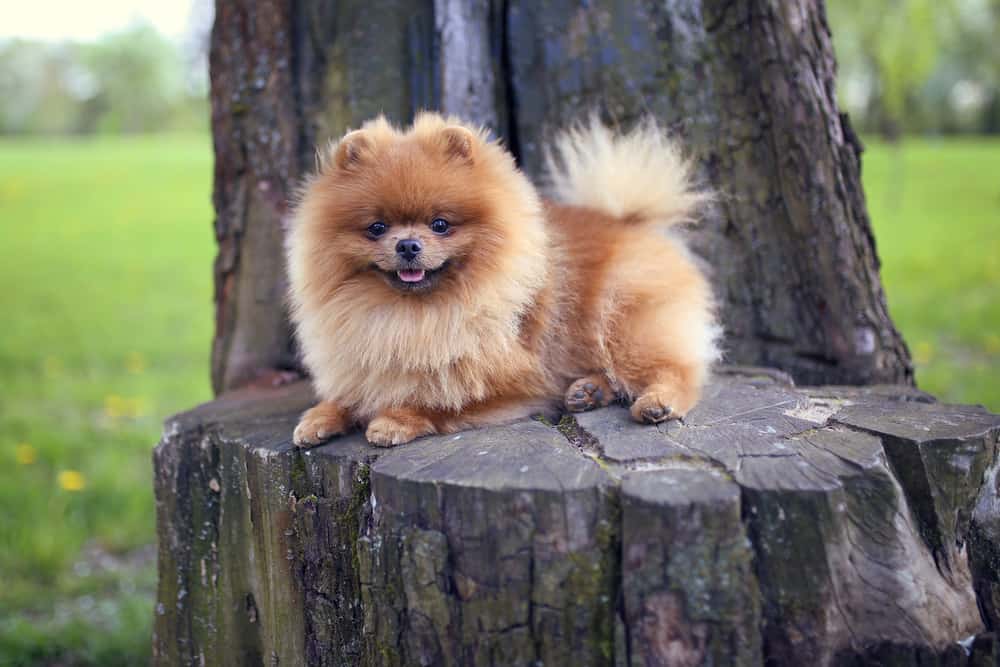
{"x":935,"y":206}
{"x":107,"y":250}
{"x":106,"y":270}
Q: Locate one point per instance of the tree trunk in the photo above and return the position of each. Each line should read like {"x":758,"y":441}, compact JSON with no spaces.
{"x":748,"y":85}
{"x":830,"y":526}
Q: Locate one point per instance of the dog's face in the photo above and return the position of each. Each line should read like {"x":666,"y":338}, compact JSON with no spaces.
{"x":415,"y":213}
{"x":429,"y":211}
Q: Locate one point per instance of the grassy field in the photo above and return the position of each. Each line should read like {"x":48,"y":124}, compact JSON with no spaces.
{"x":935,"y":207}
{"x":107,"y":254}
{"x":107,"y":251}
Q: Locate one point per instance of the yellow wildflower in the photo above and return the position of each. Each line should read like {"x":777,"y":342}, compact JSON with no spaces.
{"x":72,"y":480}
{"x":923,"y":352}
{"x":24,"y":454}
{"x":135,"y":363}
{"x":114,"y":406}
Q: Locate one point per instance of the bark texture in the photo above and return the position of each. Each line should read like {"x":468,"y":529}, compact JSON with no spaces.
{"x":780,"y":526}
{"x":748,"y":85}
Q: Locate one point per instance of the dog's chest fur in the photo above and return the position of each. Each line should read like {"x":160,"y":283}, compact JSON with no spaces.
{"x":404,"y":353}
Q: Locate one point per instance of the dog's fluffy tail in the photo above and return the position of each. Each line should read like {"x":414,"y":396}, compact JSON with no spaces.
{"x":639,"y":176}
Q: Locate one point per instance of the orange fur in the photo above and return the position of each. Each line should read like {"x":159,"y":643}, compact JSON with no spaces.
{"x":519,"y":299}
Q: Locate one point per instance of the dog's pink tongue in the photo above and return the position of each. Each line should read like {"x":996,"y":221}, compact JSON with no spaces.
{"x":411,"y":275}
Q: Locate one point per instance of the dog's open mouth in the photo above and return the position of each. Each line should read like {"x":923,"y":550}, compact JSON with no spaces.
{"x":411,"y":275}
{"x":414,"y":280}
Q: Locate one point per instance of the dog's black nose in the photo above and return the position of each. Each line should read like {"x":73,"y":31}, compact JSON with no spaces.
{"x":408,"y":248}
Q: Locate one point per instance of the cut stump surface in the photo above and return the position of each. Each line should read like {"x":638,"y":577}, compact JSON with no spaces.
{"x":830,"y":525}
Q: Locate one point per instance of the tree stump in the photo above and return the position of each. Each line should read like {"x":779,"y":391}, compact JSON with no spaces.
{"x":777,"y":525}
{"x":846,"y":526}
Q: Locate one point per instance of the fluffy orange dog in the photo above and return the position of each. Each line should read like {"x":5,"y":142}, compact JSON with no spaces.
{"x":433,"y":290}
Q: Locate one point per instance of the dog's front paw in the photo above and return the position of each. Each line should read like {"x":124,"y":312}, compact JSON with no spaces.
{"x":320,"y":423}
{"x":397,"y":427}
{"x":588,"y":393}
{"x":660,"y":402}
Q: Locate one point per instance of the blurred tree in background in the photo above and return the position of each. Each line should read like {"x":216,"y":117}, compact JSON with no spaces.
{"x":130,"y":81}
{"x":906,"y":66}
{"x":918,"y":66}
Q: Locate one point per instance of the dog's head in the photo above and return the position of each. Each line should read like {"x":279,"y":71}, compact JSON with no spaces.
{"x":435,"y":209}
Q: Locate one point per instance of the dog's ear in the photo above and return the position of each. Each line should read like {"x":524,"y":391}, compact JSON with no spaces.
{"x":353,"y":149}
{"x":459,"y":143}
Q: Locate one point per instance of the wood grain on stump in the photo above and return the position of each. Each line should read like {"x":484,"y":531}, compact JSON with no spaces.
{"x":790,"y":526}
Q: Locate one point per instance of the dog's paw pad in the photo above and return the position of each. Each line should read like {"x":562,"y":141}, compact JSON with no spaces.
{"x":655,"y":413}
{"x":654,"y":407}
{"x":588,"y":393}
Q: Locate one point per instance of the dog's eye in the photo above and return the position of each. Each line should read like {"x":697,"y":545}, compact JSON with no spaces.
{"x":376,"y":229}
{"x":439,"y":225}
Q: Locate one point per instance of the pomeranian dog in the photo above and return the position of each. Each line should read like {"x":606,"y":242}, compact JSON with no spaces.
{"x":433,"y":290}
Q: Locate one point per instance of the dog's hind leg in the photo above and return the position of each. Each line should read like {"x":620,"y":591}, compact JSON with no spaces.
{"x":661,"y":348}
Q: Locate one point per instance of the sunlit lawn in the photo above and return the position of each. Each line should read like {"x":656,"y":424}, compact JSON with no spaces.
{"x":936,"y":211}
{"x":106,"y":272}
{"x":107,"y":252}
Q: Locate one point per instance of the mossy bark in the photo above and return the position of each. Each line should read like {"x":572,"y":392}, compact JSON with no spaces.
{"x":828,"y":526}
{"x":747,"y":85}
